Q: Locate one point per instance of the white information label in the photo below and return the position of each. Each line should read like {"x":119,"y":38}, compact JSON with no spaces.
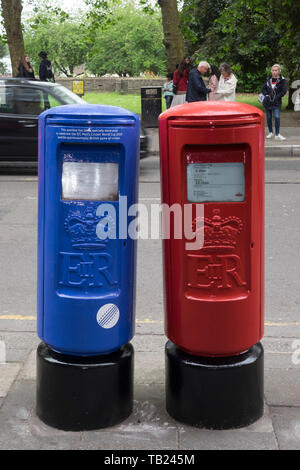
{"x":216,"y":182}
{"x":90,"y":181}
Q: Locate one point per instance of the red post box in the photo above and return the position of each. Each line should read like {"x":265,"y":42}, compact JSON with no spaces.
{"x":212,"y":154}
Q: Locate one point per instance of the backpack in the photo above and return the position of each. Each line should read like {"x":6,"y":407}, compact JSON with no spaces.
{"x":49,"y":73}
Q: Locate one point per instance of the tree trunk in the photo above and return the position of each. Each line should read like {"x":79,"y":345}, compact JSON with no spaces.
{"x":11,"y":11}
{"x":173,"y":40}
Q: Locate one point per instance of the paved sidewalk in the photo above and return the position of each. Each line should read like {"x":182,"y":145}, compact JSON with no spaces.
{"x":290,"y":128}
{"x":150,"y":427}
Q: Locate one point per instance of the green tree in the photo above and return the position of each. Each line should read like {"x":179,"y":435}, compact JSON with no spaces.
{"x":130,"y":44}
{"x":3,"y":52}
{"x":197,"y":17}
{"x":62,"y":37}
{"x":67,"y":38}
{"x":3,"y":49}
{"x":11,"y":14}
{"x":287,"y":13}
{"x":173,"y":38}
{"x":253,"y":35}
{"x":99,"y":15}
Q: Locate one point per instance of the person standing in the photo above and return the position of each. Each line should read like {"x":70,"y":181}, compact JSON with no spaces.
{"x":213,"y":82}
{"x":274,"y":90}
{"x":168,"y":90}
{"x":189,"y":64}
{"x":197,"y":90}
{"x":180,"y":81}
{"x":227,"y":84}
{"x":25,"y":69}
{"x":45,"y":71}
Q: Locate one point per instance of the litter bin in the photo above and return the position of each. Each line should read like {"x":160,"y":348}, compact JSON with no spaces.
{"x":151,"y":105}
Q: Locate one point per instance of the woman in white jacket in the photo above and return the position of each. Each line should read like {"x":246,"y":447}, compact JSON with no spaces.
{"x":227,"y":84}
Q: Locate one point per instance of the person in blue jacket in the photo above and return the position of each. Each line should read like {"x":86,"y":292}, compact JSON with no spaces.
{"x":197,"y":90}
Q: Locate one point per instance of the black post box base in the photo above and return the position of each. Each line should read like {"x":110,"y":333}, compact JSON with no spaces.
{"x":84,"y":393}
{"x":215,"y":393}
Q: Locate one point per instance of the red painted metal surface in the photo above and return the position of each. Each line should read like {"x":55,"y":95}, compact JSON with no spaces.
{"x":214,"y":297}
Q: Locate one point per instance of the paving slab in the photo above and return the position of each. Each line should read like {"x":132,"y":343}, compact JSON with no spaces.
{"x":147,"y":343}
{"x":21,"y":429}
{"x":226,"y":440}
{"x":286,"y":422}
{"x":282,"y":329}
{"x":149,"y":426}
{"x":18,"y":344}
{"x":28,"y":371}
{"x":149,"y":368}
{"x":19,"y":323}
{"x":282,"y":387}
{"x":8,"y":374}
{"x":259,"y":435}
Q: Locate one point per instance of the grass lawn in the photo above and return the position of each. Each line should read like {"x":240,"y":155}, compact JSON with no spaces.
{"x":133,"y":102}
{"x":251,"y":98}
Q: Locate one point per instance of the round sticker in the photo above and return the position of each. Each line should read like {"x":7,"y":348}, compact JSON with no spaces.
{"x":108,"y":316}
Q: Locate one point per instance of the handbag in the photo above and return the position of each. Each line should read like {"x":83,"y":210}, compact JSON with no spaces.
{"x":297,"y":103}
{"x":175,"y":89}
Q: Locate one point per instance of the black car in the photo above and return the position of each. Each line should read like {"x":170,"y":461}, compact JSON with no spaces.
{"x":21,"y":102}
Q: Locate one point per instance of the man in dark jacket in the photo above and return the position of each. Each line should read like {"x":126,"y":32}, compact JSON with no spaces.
{"x":45,"y":71}
{"x":274,"y":90}
{"x":197,"y":90}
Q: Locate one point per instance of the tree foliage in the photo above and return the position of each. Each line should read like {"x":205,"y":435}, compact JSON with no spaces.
{"x":109,"y":38}
{"x":3,"y":50}
{"x":64,"y":42}
{"x":251,"y":35}
{"x":131,"y":44}
{"x":99,"y":15}
{"x":11,"y":20}
{"x":197,"y":17}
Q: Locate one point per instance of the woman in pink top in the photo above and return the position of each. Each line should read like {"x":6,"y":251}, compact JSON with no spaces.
{"x":213,"y":82}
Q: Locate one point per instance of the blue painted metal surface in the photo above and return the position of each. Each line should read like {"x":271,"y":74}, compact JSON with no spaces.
{"x":86,"y":285}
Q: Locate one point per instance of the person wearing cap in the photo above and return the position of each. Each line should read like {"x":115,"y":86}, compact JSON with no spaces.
{"x":197,"y":90}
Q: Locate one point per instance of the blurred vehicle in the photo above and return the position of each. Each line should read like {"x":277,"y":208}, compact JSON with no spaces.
{"x":21,"y":102}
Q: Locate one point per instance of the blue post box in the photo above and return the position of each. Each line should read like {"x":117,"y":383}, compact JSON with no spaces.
{"x":88,"y":176}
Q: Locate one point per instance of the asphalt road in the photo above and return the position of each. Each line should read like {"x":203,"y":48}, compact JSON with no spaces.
{"x":18,"y":219}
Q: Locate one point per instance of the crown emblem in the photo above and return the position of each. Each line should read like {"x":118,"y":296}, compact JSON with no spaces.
{"x":81,"y":228}
{"x":219,"y":232}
